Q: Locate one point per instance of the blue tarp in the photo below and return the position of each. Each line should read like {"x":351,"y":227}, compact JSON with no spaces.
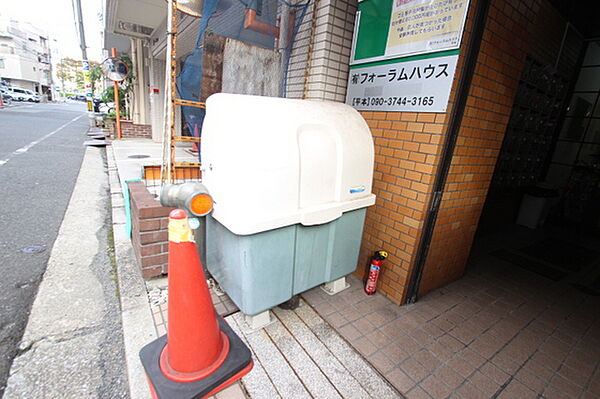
{"x":190,"y":79}
{"x":226,"y":18}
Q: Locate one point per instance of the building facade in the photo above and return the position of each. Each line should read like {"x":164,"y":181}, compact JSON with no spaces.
{"x":519,"y":67}
{"x":24,"y":56}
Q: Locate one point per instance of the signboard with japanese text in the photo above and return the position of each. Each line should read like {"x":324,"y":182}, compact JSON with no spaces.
{"x":411,"y":86}
{"x":388,"y":29}
{"x":85,"y":66}
{"x":423,"y":26}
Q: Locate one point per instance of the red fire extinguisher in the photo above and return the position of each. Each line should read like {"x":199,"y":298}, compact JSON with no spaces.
{"x":371,"y":284}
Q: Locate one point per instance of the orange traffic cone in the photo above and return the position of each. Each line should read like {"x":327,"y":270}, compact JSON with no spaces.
{"x":200,"y":355}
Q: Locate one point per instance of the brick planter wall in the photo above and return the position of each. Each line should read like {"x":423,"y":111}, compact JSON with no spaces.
{"x":149,"y":230}
{"x":130,"y":130}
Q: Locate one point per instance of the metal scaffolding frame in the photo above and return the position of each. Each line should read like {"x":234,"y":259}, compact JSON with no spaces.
{"x":170,"y":137}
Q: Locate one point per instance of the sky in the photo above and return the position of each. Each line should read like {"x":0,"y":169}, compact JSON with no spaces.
{"x":56,"y":18}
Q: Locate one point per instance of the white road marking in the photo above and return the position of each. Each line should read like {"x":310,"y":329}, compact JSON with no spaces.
{"x":14,"y":106}
{"x":26,"y":148}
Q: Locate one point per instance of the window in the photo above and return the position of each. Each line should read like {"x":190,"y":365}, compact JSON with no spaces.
{"x":2,"y":63}
{"x":577,"y":153}
{"x":579,"y":140}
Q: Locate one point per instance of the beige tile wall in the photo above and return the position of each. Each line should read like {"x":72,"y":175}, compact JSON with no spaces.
{"x":332,"y":42}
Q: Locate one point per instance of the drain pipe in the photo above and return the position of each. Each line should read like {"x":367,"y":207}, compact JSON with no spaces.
{"x":458,"y":110}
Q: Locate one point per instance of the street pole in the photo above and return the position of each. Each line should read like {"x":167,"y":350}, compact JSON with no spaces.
{"x":1,"y":101}
{"x":85,"y":64}
{"x":113,"y":53}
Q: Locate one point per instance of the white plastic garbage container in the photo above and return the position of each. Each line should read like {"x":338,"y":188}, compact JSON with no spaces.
{"x":291,"y":180}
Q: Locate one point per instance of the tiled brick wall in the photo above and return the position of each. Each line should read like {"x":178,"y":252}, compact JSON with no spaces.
{"x":407,"y":155}
{"x":514,"y":29}
{"x":130,"y":130}
{"x":149,"y":230}
{"x":332,"y":42}
{"x":408,"y":146}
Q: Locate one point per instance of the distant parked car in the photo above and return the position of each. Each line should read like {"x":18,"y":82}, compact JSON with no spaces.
{"x":19,"y":94}
{"x":33,"y":97}
{"x":78,"y":97}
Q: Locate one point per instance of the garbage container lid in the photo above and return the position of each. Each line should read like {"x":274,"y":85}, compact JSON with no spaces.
{"x":273,"y":162}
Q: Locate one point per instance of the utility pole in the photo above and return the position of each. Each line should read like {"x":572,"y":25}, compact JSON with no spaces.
{"x":1,"y":102}
{"x":117,"y":100}
{"x":85,"y":62}
{"x":81,"y":31}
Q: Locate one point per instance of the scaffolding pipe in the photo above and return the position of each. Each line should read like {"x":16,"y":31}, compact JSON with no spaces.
{"x":166,"y":172}
{"x":113,"y":53}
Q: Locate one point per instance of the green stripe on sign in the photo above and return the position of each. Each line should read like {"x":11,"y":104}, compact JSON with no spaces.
{"x":405,"y":59}
{"x":375,"y":18}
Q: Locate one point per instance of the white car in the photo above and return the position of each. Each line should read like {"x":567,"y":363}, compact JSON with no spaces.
{"x":33,"y":97}
{"x":19,"y":94}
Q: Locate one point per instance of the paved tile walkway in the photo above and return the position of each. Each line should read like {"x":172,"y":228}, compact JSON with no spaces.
{"x":499,"y":332}
{"x":157,"y":292}
{"x":299,"y":355}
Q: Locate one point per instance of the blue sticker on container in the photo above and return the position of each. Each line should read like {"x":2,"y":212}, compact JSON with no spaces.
{"x":357,"y":189}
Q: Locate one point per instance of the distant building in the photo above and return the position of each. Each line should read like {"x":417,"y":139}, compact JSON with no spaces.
{"x":24,"y":56}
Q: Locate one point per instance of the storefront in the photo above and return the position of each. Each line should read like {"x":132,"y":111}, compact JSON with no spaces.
{"x":470,"y":104}
{"x":499,"y":136}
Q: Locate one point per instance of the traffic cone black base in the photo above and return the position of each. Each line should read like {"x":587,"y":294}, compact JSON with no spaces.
{"x":237,"y":364}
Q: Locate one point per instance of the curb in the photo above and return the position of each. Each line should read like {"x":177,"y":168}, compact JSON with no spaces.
{"x":138,"y":324}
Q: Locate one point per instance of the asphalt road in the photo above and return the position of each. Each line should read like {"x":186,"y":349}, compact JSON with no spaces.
{"x":40,"y":155}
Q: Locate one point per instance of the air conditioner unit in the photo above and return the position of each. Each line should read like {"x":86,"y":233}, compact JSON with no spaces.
{"x":132,"y":29}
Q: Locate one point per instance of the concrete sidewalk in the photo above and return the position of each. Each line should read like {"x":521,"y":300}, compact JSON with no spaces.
{"x":73,"y":346}
{"x":132,"y":154}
